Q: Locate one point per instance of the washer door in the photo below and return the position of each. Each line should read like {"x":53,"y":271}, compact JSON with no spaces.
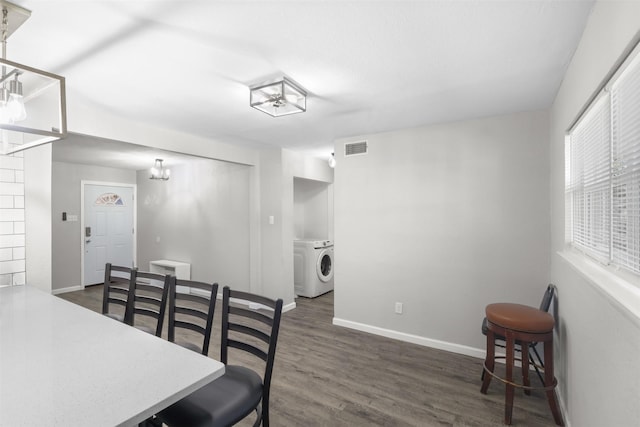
{"x":324,"y":266}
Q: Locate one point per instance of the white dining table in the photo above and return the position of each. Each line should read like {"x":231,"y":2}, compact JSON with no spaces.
{"x":64,"y":365}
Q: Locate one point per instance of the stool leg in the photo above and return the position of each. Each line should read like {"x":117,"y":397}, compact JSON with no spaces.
{"x":508,"y":405}
{"x":549,"y":379}
{"x":524,"y":352}
{"x":489,"y":361}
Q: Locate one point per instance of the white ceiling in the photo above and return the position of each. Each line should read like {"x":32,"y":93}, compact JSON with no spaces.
{"x":369,"y":66}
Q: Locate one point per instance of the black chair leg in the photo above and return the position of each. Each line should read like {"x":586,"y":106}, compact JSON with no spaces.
{"x":538,"y":363}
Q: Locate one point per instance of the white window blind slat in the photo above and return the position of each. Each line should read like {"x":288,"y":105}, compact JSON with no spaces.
{"x":603,"y":173}
{"x":590,"y":180}
{"x":625,"y":169}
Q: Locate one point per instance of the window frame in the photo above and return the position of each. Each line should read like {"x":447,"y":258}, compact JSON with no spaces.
{"x":615,"y":233}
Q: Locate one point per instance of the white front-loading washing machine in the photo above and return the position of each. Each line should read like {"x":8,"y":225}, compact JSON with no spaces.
{"x":312,"y":267}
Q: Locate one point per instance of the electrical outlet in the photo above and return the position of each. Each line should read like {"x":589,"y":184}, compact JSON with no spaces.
{"x":398,"y":308}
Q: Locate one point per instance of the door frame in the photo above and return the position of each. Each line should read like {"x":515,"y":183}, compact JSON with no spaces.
{"x":134,"y":248}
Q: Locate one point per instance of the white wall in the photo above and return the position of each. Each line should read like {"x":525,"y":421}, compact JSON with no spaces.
{"x":199,"y":216}
{"x":311,"y":209}
{"x":444,"y":219}
{"x":66,"y":235}
{"x":37,"y":206}
{"x":598,"y":363}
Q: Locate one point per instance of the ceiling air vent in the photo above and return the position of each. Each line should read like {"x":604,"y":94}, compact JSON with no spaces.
{"x":354,"y":148}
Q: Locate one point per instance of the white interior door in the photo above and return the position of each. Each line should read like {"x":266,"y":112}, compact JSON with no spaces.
{"x":108,"y":233}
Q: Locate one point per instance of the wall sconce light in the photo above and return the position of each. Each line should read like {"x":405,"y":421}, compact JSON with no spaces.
{"x":332,"y":161}
{"x":278,"y":99}
{"x":159,"y":172}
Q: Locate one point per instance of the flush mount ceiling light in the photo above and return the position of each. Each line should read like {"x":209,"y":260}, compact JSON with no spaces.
{"x":32,"y":101}
{"x":159,"y":172}
{"x":279,"y":99}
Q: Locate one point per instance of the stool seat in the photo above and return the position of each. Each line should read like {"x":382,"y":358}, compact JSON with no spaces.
{"x":518,"y":317}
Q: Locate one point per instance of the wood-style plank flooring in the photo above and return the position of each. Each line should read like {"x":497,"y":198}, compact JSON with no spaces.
{"x":327,"y":375}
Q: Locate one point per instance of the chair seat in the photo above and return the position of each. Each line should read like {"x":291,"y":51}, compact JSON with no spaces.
{"x":190,"y":346}
{"x":222,"y":402}
{"x":114,"y":316}
{"x":145,"y":329}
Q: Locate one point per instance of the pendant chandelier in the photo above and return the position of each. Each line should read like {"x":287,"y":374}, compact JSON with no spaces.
{"x":159,"y":172}
{"x":32,"y":101}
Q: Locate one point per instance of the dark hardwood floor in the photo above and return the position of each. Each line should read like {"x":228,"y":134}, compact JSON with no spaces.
{"x":327,"y":375}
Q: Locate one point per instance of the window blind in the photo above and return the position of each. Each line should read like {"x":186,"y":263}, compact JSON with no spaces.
{"x":602,"y":172}
{"x":625,"y":168}
{"x":590,"y":180}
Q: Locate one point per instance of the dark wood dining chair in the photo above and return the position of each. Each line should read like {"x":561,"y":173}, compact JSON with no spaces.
{"x":240,"y":391}
{"x":192,"y":311}
{"x":148,"y":298}
{"x":116,"y":288}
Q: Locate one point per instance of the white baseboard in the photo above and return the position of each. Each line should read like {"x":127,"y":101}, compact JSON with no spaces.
{"x":285,"y":308}
{"x":563,"y":407}
{"x":414,"y":339}
{"x":68,"y":289}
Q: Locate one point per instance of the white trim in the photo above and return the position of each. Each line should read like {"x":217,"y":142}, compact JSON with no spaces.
{"x":253,"y":306}
{"x":67,"y":289}
{"x":135,"y":219}
{"x":563,"y":407}
{"x":414,"y":339}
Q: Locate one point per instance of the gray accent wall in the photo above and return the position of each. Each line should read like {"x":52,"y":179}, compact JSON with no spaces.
{"x":444,"y":219}
{"x":200,"y":216}
{"x":66,"y":190}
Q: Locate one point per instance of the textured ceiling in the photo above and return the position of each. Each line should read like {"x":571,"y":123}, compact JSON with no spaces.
{"x":369,"y":66}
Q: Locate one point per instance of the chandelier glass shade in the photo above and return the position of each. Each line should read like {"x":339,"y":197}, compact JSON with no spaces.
{"x":158,"y":171}
{"x":279,"y":99}
{"x":32,"y":101}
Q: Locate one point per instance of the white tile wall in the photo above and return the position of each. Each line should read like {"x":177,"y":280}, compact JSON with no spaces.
{"x":12,"y":249}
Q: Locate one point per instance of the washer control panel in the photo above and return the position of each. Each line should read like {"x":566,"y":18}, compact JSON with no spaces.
{"x":322,"y":244}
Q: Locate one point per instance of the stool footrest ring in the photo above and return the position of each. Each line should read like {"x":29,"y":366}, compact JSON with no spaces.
{"x":525,"y":387}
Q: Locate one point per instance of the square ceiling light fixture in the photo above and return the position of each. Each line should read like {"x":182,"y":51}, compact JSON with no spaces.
{"x":32,"y":101}
{"x":279,"y":99}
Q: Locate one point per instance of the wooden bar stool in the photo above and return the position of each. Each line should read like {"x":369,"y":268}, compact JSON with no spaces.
{"x":522,"y":324}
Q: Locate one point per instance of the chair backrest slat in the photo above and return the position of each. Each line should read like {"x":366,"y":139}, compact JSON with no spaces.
{"x":192,"y":311}
{"x":191,"y":326}
{"x":259,"y":299}
{"x":248,"y":348}
{"x":147,"y":298}
{"x":117,"y":281}
{"x":249,"y":331}
{"x":198,"y":299}
{"x":251,"y":314}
